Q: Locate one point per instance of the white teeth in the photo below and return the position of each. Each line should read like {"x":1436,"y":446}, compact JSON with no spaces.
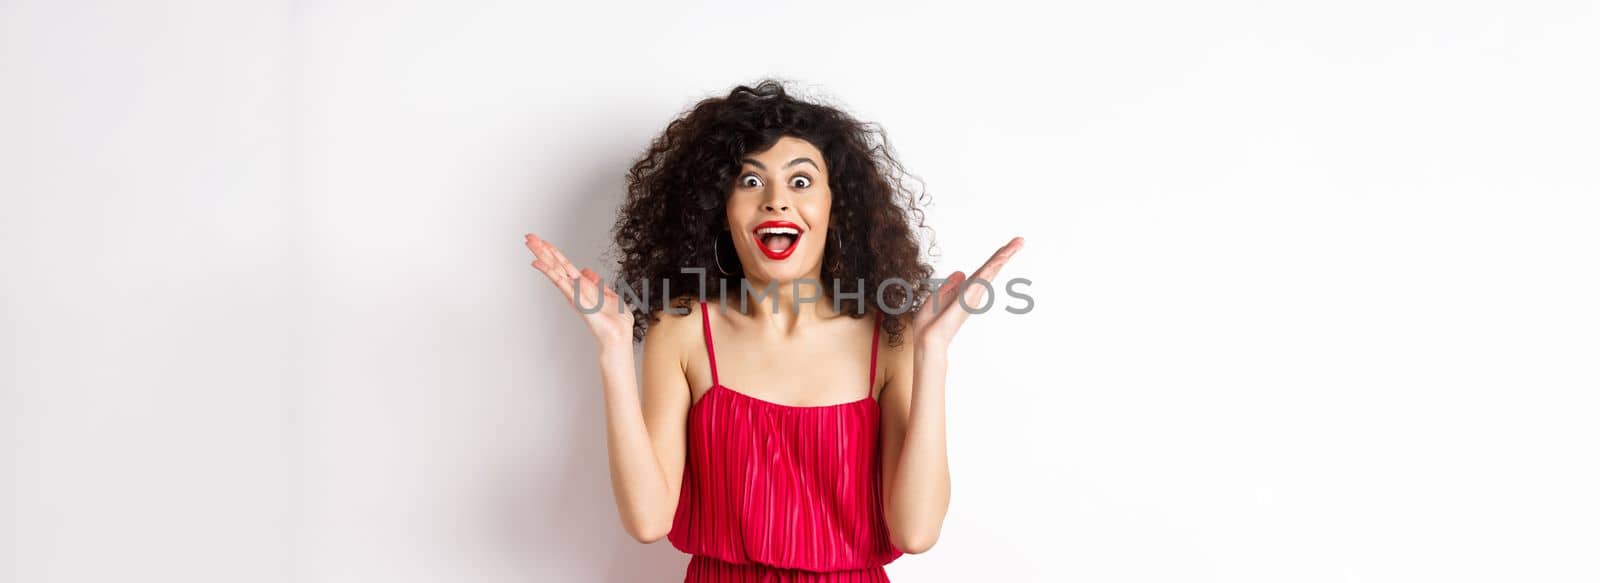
{"x":778,"y":231}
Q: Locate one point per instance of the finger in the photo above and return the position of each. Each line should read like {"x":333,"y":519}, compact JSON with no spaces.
{"x":546,"y":251}
{"x":948,"y":281}
{"x":938,"y":299}
{"x":608,"y":295}
{"x":1000,"y":257}
{"x":532,"y":241}
{"x":556,"y":276}
{"x":992,"y":267}
{"x":562,"y":258}
{"x":545,"y":264}
{"x":599,"y":281}
{"x":589,"y":291}
{"x":972,"y":295}
{"x":594,"y":278}
{"x":951,"y":280}
{"x":563,"y":268}
{"x":948,"y":291}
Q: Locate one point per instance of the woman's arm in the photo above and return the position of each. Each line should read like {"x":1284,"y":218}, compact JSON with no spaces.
{"x":645,"y":434}
{"x":645,"y":439}
{"x":916,"y":468}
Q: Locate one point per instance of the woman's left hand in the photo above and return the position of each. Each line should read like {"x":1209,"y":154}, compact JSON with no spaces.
{"x":940,"y":315}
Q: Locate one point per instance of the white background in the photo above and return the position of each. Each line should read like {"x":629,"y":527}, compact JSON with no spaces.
{"x":1315,"y":284}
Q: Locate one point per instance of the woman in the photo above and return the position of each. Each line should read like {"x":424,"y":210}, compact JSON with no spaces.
{"x":773,"y":439}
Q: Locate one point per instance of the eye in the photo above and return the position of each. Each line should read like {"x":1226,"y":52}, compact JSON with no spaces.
{"x":802,"y":181}
{"x":750,"y":181}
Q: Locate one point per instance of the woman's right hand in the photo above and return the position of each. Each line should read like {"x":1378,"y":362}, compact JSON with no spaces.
{"x":611,"y":327}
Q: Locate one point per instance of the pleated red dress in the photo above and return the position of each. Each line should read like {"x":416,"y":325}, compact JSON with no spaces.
{"x":781,"y":493}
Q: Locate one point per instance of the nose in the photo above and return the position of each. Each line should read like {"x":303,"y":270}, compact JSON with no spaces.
{"x":775,"y":201}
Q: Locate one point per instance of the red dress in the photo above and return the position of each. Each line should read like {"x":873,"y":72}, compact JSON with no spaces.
{"x":780,"y":493}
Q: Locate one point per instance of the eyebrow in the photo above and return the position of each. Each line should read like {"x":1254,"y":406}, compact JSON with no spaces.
{"x":791,"y":163}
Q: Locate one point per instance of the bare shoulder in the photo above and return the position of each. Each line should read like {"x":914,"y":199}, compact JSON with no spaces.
{"x":671,"y":331}
{"x":666,"y":366}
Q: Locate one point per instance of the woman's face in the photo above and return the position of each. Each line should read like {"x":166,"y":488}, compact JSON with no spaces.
{"x":778,"y":212}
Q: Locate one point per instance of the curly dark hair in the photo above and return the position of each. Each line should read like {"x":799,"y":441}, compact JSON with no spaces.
{"x":678,"y":190}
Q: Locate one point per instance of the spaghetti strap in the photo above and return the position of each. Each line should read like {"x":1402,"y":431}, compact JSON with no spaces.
{"x":711,"y":353}
{"x":872,"y":375}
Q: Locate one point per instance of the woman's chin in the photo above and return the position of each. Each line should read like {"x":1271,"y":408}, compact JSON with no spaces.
{"x":784,"y":272}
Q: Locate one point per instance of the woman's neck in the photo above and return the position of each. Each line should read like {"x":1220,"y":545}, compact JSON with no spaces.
{"x":784,"y":304}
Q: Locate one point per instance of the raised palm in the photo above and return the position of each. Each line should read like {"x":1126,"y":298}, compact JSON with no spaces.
{"x":609,"y":324}
{"x":937,"y":320}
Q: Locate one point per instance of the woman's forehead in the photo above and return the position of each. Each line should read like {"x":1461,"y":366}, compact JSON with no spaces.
{"x":787,"y":152}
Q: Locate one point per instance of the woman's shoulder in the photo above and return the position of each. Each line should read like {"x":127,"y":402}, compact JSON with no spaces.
{"x":676,"y":323}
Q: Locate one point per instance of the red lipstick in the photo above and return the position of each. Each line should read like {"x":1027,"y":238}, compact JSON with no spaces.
{"x":776,"y":229}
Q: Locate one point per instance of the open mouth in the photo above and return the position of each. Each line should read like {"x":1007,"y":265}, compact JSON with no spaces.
{"x":777,"y":239}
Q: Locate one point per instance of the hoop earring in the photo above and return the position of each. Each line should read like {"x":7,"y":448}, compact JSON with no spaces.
{"x":840,"y":241}
{"x":715,"y":252}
